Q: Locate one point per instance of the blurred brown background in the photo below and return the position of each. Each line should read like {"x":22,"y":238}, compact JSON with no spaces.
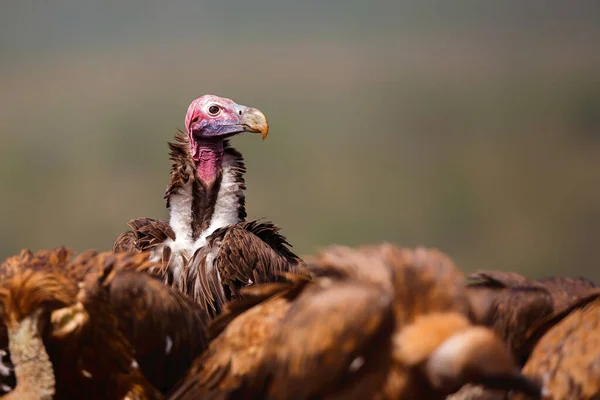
{"x":472,"y":126}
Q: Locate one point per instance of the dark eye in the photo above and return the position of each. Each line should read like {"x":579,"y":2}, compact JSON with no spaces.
{"x":213,"y":110}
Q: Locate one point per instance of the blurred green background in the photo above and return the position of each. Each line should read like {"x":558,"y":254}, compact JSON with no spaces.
{"x":471,"y":126}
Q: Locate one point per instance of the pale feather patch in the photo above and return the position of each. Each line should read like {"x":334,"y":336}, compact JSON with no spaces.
{"x":68,"y":319}
{"x":210,"y":258}
{"x":156,"y":254}
{"x":168,"y":344}
{"x":356,"y":364}
{"x":5,"y":370}
{"x":32,"y":363}
{"x":181,"y":220}
{"x":226,"y":207}
{"x":180,"y":205}
{"x":179,"y":252}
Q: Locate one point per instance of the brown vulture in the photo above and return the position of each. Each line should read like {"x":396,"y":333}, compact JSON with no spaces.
{"x":95,"y":326}
{"x":377,"y":322}
{"x":521,"y":311}
{"x":207,"y":249}
{"x":566,"y":358}
{"x":510,"y":304}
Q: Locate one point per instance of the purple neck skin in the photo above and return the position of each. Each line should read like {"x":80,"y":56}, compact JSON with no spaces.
{"x":208,"y":156}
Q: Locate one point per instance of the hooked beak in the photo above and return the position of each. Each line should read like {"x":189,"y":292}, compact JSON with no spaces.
{"x":255,"y":121}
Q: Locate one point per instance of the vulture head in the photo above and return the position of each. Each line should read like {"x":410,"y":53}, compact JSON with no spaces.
{"x":209,"y":121}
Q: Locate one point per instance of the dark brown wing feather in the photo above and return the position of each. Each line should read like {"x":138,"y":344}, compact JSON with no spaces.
{"x":251,"y":252}
{"x":244,"y":331}
{"x":166,"y":329}
{"x":125,"y":242}
{"x":145,"y":235}
{"x":245,"y":253}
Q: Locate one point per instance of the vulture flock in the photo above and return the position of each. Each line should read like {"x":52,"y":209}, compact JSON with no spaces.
{"x":209,"y":305}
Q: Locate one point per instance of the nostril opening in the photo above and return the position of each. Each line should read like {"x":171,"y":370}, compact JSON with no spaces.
{"x":240,"y":112}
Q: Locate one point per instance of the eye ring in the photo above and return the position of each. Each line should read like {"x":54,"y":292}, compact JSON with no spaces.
{"x":214,"y":110}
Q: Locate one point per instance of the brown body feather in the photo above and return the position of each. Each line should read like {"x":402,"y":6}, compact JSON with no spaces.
{"x":108,"y":328}
{"x":375,"y":322}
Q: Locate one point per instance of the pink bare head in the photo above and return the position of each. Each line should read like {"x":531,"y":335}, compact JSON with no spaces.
{"x":211,"y":116}
{"x":210,"y":120}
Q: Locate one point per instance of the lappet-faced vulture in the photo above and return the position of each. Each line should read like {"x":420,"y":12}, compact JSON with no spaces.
{"x":207,"y":248}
